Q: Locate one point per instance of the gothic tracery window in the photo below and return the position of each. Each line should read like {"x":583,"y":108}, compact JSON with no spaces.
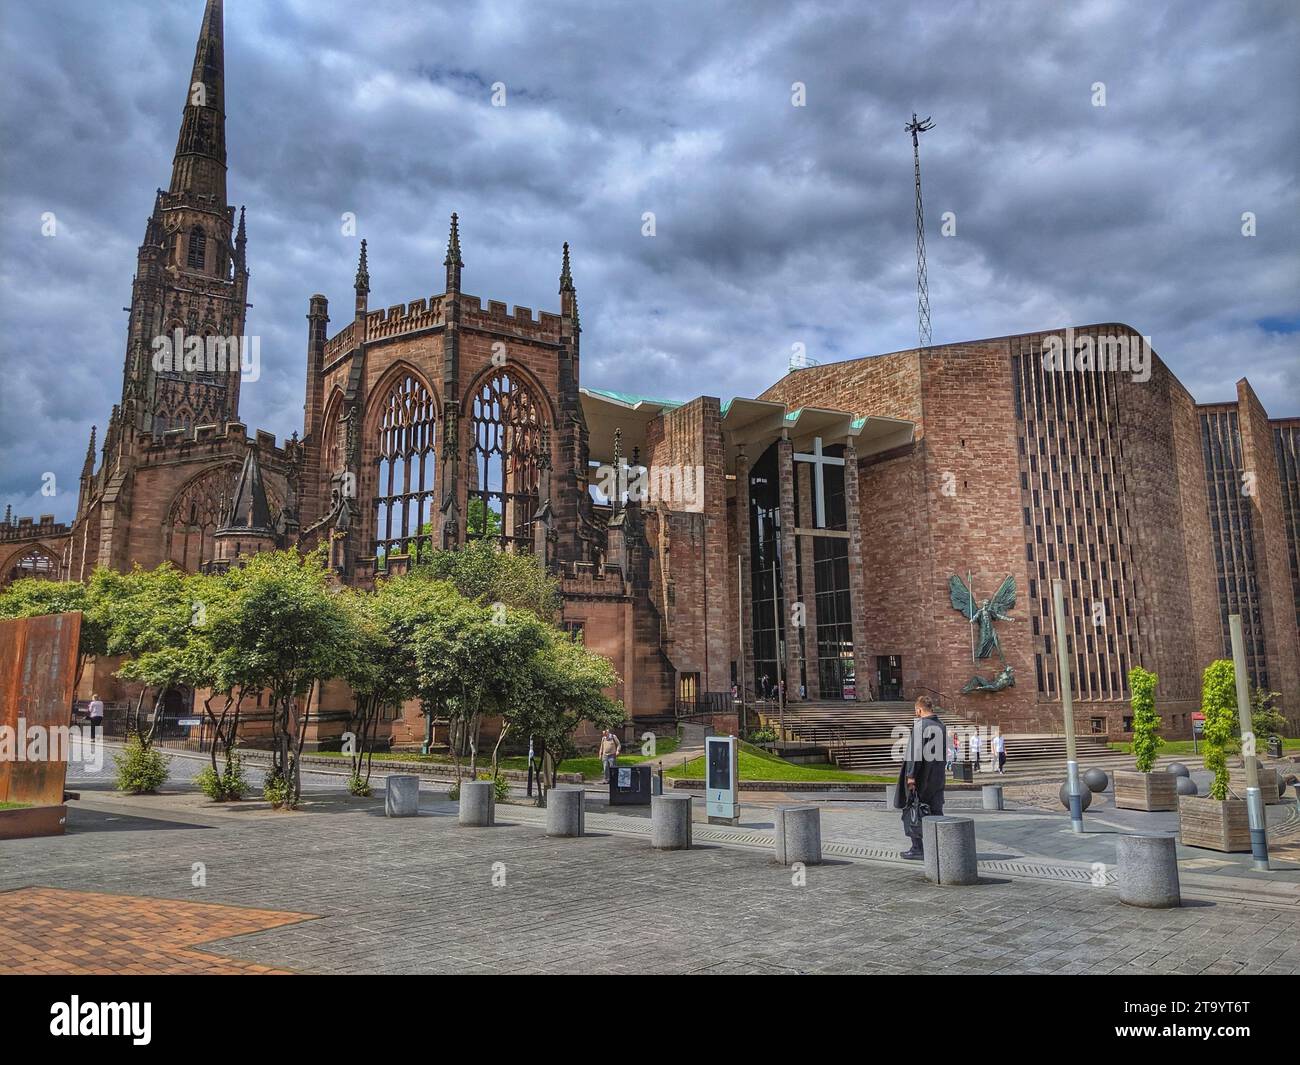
{"x":505,"y":458}
{"x":404,"y":488}
{"x":200,"y":508}
{"x":37,"y":562}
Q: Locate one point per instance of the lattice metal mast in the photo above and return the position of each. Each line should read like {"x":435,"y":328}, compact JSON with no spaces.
{"x":916,"y":127}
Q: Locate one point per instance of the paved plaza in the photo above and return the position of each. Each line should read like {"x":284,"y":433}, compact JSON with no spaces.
{"x":174,"y":883}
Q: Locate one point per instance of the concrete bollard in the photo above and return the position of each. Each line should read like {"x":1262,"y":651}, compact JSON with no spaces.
{"x":992,"y":796}
{"x":565,"y":810}
{"x":478,"y":803}
{"x":670,"y":821}
{"x":949,"y":845}
{"x":1148,"y":871}
{"x":798,"y":835}
{"x":401,"y":796}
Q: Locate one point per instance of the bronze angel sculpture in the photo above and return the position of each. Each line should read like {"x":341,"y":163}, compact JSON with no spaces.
{"x":986,"y":613}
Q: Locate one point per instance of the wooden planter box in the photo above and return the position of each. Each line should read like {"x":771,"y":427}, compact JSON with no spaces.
{"x":1156,"y":790}
{"x":1270,"y":784}
{"x":28,"y":821}
{"x":1214,"y":824}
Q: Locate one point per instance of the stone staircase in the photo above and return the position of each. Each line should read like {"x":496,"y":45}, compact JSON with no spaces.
{"x":861,"y":735}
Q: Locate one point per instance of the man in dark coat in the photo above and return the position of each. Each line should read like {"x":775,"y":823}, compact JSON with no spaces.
{"x":922,"y":770}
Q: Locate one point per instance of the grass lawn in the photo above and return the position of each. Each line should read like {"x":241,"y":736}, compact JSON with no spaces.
{"x":588,"y":766}
{"x":1185,"y":747}
{"x":758,"y":764}
{"x":14,"y":805}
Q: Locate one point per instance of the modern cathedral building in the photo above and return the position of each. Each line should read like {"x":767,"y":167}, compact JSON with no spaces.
{"x":867,"y":530}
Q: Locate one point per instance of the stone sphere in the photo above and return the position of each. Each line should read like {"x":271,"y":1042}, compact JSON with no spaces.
{"x":1064,"y":793}
{"x":1178,"y":769}
{"x":1186,"y":786}
{"x":1096,"y":779}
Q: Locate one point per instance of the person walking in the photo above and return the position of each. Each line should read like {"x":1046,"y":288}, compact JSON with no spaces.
{"x":954,"y":753}
{"x":1000,"y":753}
{"x":919,"y":792}
{"x":609,"y":751}
{"x":96,"y":713}
{"x":975,"y":749}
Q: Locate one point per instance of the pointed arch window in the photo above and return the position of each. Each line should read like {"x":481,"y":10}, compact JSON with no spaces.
{"x":200,"y":508}
{"x":39,"y":562}
{"x":404,"y":486}
{"x":505,"y":461}
{"x":198,"y":249}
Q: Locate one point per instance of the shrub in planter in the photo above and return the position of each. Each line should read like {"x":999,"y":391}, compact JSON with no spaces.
{"x":1141,"y":789}
{"x":1146,"y":722}
{"x":357,"y":786}
{"x":1219,"y":705}
{"x":141,"y":770}
{"x":1216,"y":822}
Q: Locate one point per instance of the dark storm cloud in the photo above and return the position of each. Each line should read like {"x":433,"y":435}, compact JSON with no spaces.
{"x":776,"y":224}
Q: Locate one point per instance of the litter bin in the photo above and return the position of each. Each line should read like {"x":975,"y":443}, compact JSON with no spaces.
{"x":1275,"y":746}
{"x":629,"y":785}
{"x":963,"y":771}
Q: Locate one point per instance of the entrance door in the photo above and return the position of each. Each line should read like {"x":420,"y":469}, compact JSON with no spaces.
{"x":889,"y":676}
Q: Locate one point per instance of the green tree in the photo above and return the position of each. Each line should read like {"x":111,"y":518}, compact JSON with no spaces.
{"x":1146,"y":722}
{"x":384,"y":671}
{"x":481,"y":571}
{"x":34,"y":597}
{"x":472,"y":659}
{"x":224,"y":674}
{"x":564,"y":687}
{"x":1219,"y":705}
{"x":286,"y":631}
{"x":1265,"y":718}
{"x":147,"y":617}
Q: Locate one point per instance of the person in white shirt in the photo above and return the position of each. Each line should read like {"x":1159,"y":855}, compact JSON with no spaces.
{"x":1000,"y":753}
{"x":975,"y":749}
{"x":96,"y":713}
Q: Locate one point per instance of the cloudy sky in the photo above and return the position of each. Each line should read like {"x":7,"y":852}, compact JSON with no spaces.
{"x":776,"y":224}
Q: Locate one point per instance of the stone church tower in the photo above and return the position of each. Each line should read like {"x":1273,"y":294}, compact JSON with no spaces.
{"x":166,"y":476}
{"x":192,"y":273}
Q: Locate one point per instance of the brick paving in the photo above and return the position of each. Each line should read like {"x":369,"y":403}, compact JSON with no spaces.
{"x":417,"y":895}
{"x":56,"y":931}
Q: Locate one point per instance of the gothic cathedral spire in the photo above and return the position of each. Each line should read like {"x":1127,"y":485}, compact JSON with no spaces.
{"x":191,"y":275}
{"x":199,"y":167}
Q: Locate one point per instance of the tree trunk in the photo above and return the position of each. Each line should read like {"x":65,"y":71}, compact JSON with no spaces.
{"x":505,"y":727}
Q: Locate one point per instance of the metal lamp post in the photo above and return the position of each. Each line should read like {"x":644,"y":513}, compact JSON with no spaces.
{"x":1067,"y":705}
{"x":1254,"y":799}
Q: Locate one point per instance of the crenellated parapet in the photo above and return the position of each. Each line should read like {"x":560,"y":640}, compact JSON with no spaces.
{"x":405,"y":319}
{"x":13,"y":529}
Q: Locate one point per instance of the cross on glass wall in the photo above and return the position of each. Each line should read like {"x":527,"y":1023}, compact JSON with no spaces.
{"x":820,"y":461}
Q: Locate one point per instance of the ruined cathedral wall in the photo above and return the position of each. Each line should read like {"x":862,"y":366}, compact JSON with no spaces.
{"x":166,"y":465}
